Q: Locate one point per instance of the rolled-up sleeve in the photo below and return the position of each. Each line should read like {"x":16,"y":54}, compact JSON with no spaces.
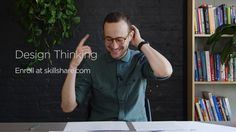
{"x":148,"y":72}
{"x":83,"y":82}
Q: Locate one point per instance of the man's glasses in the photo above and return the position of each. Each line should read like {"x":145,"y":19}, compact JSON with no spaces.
{"x":119,"y":40}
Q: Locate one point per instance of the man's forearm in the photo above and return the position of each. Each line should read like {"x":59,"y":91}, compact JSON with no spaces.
{"x":68,"y":103}
{"x":159,"y":64}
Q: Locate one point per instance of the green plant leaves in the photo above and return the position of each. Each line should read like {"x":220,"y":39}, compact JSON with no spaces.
{"x":38,"y":32}
{"x":229,"y":47}
{"x":76,"y":20}
{"x":226,"y":51}
{"x":223,"y":29}
{"x":47,"y":22}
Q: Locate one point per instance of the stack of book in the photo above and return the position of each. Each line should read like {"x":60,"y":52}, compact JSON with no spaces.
{"x":207,"y":18}
{"x":212,"y":108}
{"x":208,"y":67}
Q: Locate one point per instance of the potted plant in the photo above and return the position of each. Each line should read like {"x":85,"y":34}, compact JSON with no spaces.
{"x":47,"y":22}
{"x":229,"y":49}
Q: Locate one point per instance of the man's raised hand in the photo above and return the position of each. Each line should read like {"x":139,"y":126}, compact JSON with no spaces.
{"x":80,"y":52}
{"x":137,"y":37}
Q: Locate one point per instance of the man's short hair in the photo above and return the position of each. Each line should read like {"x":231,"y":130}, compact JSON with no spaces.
{"x":116,"y":17}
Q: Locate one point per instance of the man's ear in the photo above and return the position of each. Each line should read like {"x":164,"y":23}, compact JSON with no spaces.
{"x":131,"y":34}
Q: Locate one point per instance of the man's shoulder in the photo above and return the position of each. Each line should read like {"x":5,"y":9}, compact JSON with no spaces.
{"x":136,"y":54}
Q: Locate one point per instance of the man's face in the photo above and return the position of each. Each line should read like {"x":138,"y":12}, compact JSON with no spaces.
{"x":117,"y":38}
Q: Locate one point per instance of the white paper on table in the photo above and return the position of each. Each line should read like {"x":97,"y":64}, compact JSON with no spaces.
{"x":96,"y":126}
{"x":184,"y":126}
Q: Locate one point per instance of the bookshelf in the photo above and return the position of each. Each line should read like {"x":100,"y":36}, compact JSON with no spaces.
{"x":197,"y":42}
{"x":208,"y":35}
{"x":214,"y":83}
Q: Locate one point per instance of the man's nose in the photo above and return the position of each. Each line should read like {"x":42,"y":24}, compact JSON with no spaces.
{"x":115,"y":44}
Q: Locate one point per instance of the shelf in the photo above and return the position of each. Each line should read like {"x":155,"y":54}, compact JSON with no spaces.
{"x":215,"y":83}
{"x":197,"y":42}
{"x":208,"y":35}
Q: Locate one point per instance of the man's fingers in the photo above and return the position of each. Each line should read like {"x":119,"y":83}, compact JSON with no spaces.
{"x":136,"y":31}
{"x":82,"y":41}
{"x":82,"y":51}
{"x":134,"y":28}
{"x":86,"y":49}
{"x":86,"y":46}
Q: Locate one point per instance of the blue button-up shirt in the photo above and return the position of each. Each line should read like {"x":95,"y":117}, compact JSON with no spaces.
{"x":117,"y":86}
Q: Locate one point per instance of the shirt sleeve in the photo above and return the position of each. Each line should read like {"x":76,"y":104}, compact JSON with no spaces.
{"x":148,"y":72}
{"x":83,"y":81}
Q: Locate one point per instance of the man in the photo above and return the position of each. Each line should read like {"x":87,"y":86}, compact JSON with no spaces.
{"x":118,"y":78}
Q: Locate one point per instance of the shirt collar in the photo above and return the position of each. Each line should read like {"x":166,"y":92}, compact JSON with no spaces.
{"x":125,"y":58}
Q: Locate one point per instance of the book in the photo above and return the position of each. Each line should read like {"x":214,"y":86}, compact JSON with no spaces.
{"x":195,"y":22}
{"x":217,"y":66}
{"x":217,"y":108}
{"x":199,"y":113}
{"x":203,"y":109}
{"x":196,"y":118}
{"x":196,"y":67}
{"x":220,"y":16}
{"x":208,"y":95}
{"x":221,"y":108}
{"x":231,"y":69}
{"x":215,"y":10}
{"x":199,"y":18}
{"x":224,"y":12}
{"x":228,"y":15}
{"x":228,"y":107}
{"x":212,"y":66}
{"x":208,"y":68}
{"x":226,"y":72}
{"x":227,"y":112}
{"x":203,"y":60}
{"x":202,"y":20}
{"x":199,"y":66}
{"x":233,"y":14}
{"x":209,"y":110}
{"x":234,"y":69}
{"x":206,"y":18}
{"x":222,"y":72}
{"x":211,"y":18}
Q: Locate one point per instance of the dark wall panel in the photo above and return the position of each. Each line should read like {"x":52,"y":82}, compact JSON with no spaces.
{"x":36,"y":97}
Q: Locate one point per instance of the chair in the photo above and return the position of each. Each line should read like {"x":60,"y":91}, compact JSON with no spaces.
{"x":148,"y":109}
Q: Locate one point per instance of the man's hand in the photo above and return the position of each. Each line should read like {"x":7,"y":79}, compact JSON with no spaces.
{"x":80,"y":52}
{"x":136,"y":37}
